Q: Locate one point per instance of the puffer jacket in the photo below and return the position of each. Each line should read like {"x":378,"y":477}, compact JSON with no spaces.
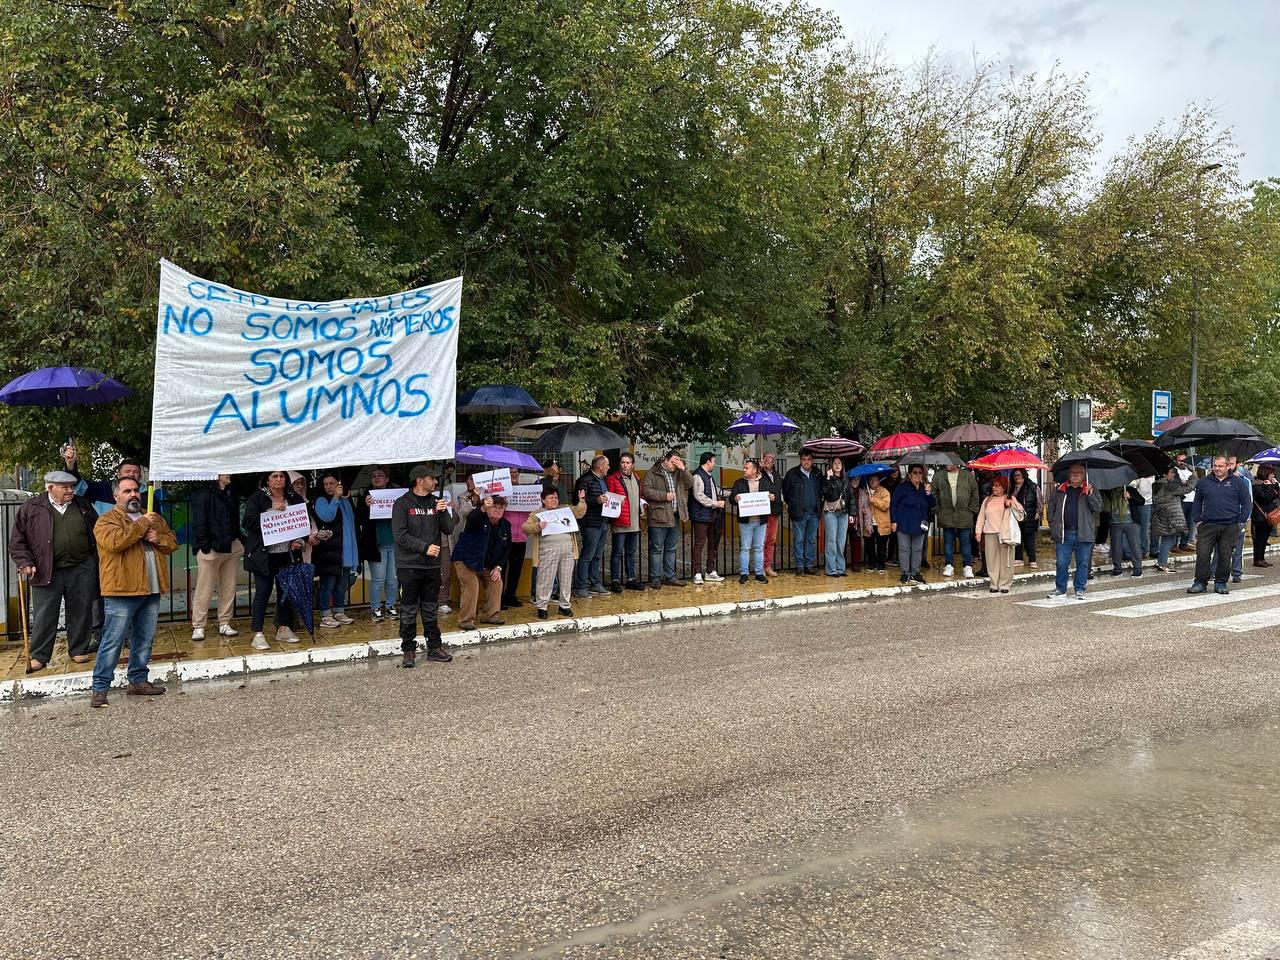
{"x":616,"y":485}
{"x":1167,"y":518}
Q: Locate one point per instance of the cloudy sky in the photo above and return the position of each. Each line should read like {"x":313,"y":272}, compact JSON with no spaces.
{"x":1146,"y":59}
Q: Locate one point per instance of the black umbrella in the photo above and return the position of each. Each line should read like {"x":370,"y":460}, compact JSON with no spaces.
{"x":1207,"y":432}
{"x":498,"y":398}
{"x":929,"y":458}
{"x":1245,"y":447}
{"x":579,"y":436}
{"x":1144,"y":456}
{"x":1104,"y":469}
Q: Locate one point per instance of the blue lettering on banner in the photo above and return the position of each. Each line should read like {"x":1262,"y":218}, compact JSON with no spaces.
{"x":199,"y":320}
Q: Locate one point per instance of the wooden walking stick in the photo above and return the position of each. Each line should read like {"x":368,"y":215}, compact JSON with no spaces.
{"x":22,"y":611}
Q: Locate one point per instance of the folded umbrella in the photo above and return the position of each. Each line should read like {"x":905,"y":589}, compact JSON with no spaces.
{"x":296,"y":583}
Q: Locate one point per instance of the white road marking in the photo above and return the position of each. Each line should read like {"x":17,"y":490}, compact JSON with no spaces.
{"x":1193,"y":602}
{"x":1251,"y":940}
{"x":1243,"y":622}
{"x":1164,"y":584}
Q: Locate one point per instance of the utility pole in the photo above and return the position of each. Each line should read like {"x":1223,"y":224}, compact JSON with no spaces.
{"x":1195,"y":305}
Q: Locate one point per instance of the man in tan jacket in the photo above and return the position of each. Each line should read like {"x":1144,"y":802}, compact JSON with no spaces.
{"x":132,"y":572}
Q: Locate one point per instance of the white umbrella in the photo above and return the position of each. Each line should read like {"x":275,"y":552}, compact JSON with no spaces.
{"x":535,"y":427}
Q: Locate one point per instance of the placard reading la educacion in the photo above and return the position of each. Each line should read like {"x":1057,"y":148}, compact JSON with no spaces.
{"x":246,"y":382}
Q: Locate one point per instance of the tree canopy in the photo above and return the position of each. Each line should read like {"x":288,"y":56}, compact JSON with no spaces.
{"x":661,"y":209}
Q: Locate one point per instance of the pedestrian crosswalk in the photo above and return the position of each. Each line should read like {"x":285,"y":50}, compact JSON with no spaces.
{"x":1166,"y":585}
{"x":1190,"y":601}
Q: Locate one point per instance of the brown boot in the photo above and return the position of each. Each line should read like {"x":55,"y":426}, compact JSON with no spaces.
{"x":410,"y":658}
{"x":145,"y":689}
{"x":98,"y":699}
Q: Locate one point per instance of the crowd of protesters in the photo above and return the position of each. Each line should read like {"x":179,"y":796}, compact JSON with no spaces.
{"x":90,"y":548}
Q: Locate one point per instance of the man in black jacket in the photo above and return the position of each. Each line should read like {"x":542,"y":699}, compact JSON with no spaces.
{"x":417,"y":521}
{"x":215,"y":528}
{"x":802,"y":491}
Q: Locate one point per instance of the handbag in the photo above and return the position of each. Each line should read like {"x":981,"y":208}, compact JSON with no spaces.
{"x":1273,"y":516}
{"x":1011,"y":536}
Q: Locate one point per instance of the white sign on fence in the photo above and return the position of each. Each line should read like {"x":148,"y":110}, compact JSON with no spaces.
{"x":559,"y":521}
{"x":525,"y":497}
{"x":380,"y":508}
{"x":753,"y":504}
{"x":243,"y":380}
{"x":291,"y":523}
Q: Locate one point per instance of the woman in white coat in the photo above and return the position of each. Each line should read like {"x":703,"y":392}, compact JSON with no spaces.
{"x":997,"y":535}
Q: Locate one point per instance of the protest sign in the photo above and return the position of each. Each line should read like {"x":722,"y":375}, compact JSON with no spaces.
{"x":380,"y":508}
{"x":246,"y":382}
{"x":495,"y":481}
{"x":291,"y":523}
{"x":559,"y":521}
{"x":525,"y":497}
{"x":613,"y":507}
{"x":753,"y":504}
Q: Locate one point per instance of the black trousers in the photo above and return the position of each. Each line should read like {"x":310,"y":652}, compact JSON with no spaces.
{"x":1029,"y":530}
{"x":877,"y":552}
{"x":1211,"y":537}
{"x":1261,"y":534}
{"x":78,"y":586}
{"x":263,"y":584}
{"x":419,"y":594}
{"x":512,"y":570}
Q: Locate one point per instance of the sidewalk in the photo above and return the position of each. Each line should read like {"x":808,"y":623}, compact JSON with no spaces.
{"x":176,"y":657}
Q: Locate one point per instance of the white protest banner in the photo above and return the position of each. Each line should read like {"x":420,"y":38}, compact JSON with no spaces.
{"x":291,"y":523}
{"x":495,"y":481}
{"x":525,"y":497}
{"x":380,"y":508}
{"x":559,"y":521}
{"x":753,"y":504}
{"x":245,"y":382}
{"x":613,"y":507}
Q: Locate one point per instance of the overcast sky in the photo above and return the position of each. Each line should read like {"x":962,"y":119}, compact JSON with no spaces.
{"x":1146,"y":59}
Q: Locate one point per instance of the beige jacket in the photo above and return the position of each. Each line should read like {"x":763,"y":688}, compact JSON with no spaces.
{"x":534,"y":532}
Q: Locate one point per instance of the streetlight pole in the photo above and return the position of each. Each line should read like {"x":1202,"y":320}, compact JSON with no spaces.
{"x":1195,"y":297}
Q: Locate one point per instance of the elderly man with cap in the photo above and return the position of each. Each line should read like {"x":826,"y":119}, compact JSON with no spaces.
{"x":417,"y":521}
{"x":52,"y":545}
{"x":133,"y":575}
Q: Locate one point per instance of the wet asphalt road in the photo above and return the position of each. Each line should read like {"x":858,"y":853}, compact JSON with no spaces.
{"x":939,"y":776}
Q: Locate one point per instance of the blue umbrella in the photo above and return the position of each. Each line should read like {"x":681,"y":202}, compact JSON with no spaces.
{"x":762,"y":423}
{"x":498,"y":398}
{"x":296,"y":583}
{"x":871,"y":470}
{"x":62,"y":387}
{"x":494,"y":455}
{"x":1271,"y":455}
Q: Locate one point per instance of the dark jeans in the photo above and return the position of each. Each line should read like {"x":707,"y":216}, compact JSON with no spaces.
{"x":419,"y":593}
{"x":1126,"y":542}
{"x":1064,"y":551}
{"x":1186,"y":515}
{"x":950,"y":536}
{"x":625,"y":546}
{"x":78,"y":585}
{"x":511,"y":572}
{"x":1261,"y":534}
{"x":662,"y":552}
{"x":263,"y":584}
{"x":706,"y":537}
{"x":804,"y":533}
{"x":590,"y":569}
{"x":332,"y":594}
{"x":1143,"y":519}
{"x":877,"y":552}
{"x":1211,"y":538}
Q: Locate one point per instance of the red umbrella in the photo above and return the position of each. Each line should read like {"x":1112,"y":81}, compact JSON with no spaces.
{"x":896,"y":445}
{"x":1011,"y":459}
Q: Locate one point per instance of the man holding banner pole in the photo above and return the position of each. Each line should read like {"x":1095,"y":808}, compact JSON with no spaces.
{"x":418,"y":519}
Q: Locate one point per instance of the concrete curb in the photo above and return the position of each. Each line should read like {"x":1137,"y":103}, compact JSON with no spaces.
{"x":190,"y":670}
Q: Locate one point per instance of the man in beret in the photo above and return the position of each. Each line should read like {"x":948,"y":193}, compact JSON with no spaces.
{"x":52,"y":545}
{"x":417,"y":520}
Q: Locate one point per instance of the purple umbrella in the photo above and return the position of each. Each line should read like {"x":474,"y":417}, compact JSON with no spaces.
{"x":497,"y":456}
{"x":62,"y":387}
{"x":762,"y":423}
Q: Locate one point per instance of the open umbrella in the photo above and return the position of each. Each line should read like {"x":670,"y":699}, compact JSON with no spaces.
{"x":579,"y":436}
{"x":833,"y":447}
{"x":296,"y":583}
{"x":62,"y":387}
{"x":1144,"y":456}
{"x":762,"y":423}
{"x":971,"y":434}
{"x":1245,"y":447}
{"x":929,"y":458}
{"x":498,"y":398}
{"x":1164,"y":426}
{"x":871,"y":470}
{"x":1103,"y":468}
{"x":1010,"y":458}
{"x":1270,"y":455}
{"x":534,"y":427}
{"x":1207,"y":432}
{"x":493,"y":455}
{"x":890,"y":448}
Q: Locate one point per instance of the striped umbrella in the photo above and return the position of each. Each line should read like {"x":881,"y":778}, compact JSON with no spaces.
{"x":833,"y":447}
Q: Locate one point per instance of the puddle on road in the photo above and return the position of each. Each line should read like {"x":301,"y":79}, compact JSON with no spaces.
{"x":1146,"y":850}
